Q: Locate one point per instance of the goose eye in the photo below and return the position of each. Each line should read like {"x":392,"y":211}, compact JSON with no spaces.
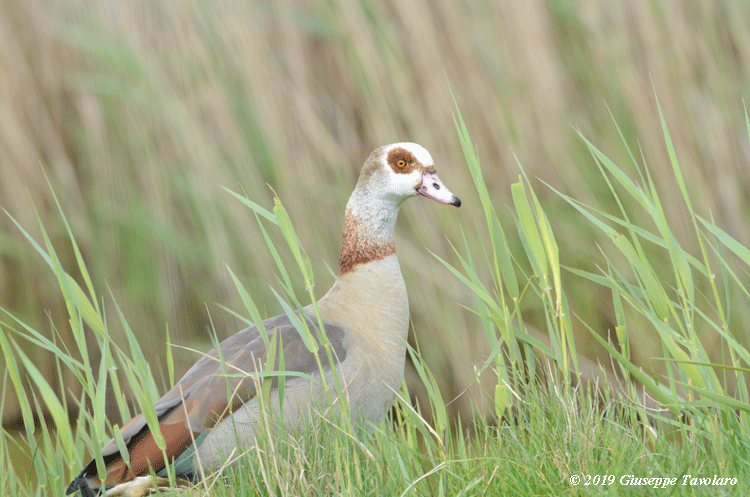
{"x":401,"y":163}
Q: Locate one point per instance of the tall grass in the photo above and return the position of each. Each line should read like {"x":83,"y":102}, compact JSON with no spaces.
{"x":140,"y":112}
{"x":136,"y":114}
{"x":691,"y":313}
{"x":544,"y":430}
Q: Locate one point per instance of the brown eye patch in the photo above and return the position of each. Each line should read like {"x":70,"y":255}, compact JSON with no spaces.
{"x":401,"y":160}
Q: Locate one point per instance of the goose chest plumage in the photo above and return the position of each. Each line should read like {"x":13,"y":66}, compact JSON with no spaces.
{"x":365,"y":318}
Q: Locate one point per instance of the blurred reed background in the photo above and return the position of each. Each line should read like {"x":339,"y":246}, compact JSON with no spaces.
{"x":139,"y":112}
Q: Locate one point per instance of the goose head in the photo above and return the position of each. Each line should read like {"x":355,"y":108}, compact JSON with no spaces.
{"x":390,"y":175}
{"x":401,"y":170}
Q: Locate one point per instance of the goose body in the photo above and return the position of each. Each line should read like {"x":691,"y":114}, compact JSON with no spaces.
{"x":365,"y":317}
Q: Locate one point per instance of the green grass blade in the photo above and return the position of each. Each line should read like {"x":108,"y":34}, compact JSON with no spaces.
{"x":528,"y":230}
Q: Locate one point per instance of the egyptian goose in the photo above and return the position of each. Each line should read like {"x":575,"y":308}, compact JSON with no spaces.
{"x":365,"y":316}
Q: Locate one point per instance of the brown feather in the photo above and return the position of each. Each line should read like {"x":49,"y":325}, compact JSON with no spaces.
{"x":358,"y":250}
{"x":207,"y":393}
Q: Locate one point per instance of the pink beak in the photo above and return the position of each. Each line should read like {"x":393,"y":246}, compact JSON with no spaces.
{"x":433,"y":188}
